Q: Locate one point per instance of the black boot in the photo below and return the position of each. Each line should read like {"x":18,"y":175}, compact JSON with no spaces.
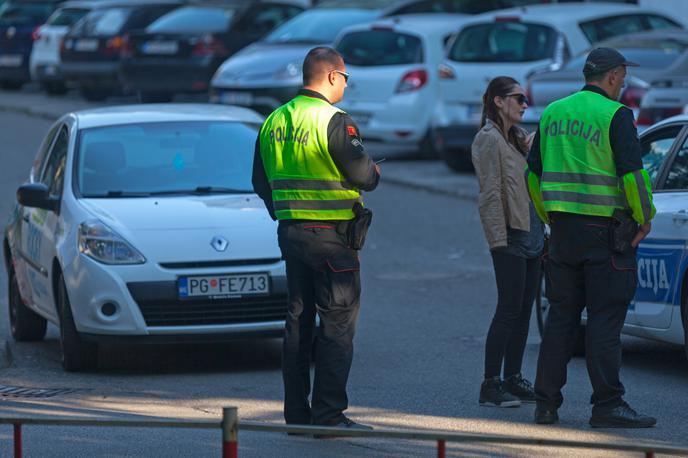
{"x":492,"y":394}
{"x":621,"y":416}
{"x":519,"y":387}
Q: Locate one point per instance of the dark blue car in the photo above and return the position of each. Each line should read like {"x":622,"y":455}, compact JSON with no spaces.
{"x":19,"y":19}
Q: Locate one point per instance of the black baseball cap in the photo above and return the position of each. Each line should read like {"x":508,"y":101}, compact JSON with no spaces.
{"x":601,"y":60}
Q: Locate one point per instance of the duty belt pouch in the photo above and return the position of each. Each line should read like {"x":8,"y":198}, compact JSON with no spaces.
{"x":358,"y":227}
{"x":624,"y":228}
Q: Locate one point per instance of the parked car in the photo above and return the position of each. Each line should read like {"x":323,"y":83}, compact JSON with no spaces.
{"x":91,"y":49}
{"x":267,"y":73}
{"x":518,"y":42}
{"x":659,"y":310}
{"x":44,"y":62}
{"x":660,"y":54}
{"x":181,"y":51}
{"x":666,"y":96}
{"x":393,"y":89}
{"x":139,"y":224}
{"x":19,"y":20}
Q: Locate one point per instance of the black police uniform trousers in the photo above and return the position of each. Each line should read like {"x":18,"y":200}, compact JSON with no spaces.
{"x":323,"y":277}
{"x":583,"y":272}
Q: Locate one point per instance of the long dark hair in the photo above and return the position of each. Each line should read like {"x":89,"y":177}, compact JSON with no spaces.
{"x":500,"y":87}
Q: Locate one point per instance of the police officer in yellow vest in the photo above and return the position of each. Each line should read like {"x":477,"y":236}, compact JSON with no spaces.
{"x":586,"y":180}
{"x":309,"y":169}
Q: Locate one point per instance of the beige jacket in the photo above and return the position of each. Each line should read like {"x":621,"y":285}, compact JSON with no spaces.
{"x":503,"y":200}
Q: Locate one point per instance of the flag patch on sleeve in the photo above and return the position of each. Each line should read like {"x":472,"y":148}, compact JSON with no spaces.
{"x":351,"y":130}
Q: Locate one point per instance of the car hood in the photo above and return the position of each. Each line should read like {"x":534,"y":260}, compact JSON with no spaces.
{"x":178,"y":229}
{"x":261,"y":62}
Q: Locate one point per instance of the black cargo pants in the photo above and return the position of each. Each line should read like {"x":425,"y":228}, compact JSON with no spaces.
{"x":323,"y":277}
{"x":584,"y":272}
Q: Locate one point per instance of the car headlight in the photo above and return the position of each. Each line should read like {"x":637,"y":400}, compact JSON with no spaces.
{"x":291,"y":71}
{"x":99,"y":242}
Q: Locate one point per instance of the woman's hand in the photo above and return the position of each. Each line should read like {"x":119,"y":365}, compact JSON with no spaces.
{"x":529,"y":140}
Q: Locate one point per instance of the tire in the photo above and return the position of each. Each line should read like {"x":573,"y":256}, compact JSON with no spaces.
{"x":155,"y":97}
{"x":55,"y":87}
{"x":428,"y":149}
{"x":77,"y":355}
{"x":26,"y":325}
{"x":458,"y":160}
{"x":94,"y":94}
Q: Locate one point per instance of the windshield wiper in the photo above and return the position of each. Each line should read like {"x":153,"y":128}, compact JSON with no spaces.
{"x":121,"y":194}
{"x":201,"y":190}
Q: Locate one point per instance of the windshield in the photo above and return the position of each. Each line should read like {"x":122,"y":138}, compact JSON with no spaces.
{"x":318,"y":26}
{"x":371,"y":48}
{"x":194,"y":19}
{"x":138,"y":160}
{"x":25,"y":13}
{"x":658,"y":57}
{"x":504,"y":42}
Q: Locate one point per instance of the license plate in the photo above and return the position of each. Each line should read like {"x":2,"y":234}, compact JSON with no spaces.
{"x":86,"y":44}
{"x":361,"y":118}
{"x":236,"y":98}
{"x":160,"y":47}
{"x":222,"y":286}
{"x":11,"y":60}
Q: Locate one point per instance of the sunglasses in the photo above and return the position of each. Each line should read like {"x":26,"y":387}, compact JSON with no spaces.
{"x":344,"y":74}
{"x":520,"y":98}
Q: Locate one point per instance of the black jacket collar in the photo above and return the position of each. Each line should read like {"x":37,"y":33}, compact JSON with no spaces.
{"x":314,"y":94}
{"x":596,"y":89}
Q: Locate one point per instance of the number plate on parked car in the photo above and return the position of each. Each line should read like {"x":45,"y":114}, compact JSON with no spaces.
{"x":236,"y":98}
{"x":220,"y":286}
{"x":86,"y":44}
{"x":160,"y":47}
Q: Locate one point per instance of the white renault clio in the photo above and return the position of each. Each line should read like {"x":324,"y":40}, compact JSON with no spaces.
{"x":140,"y":224}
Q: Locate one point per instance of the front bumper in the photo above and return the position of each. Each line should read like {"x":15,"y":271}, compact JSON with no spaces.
{"x":263,"y":100}
{"x":100,"y":74}
{"x":45,"y":73}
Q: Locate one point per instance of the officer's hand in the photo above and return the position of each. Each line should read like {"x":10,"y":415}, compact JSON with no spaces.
{"x":643,"y":230}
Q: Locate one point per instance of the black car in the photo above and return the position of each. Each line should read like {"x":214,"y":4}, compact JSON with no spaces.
{"x":181,"y":51}
{"x":19,"y":21}
{"x":91,"y":50}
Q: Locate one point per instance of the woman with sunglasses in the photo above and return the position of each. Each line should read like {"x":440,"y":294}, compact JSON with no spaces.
{"x":514,"y":234}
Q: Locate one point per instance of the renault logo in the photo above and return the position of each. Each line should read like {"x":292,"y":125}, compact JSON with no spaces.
{"x":219,"y":243}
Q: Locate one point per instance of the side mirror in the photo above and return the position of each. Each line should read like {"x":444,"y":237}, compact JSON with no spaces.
{"x":37,"y":195}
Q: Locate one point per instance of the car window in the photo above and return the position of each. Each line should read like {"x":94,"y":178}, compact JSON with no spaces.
{"x":379,"y":48}
{"x":25,"y":13}
{"x":504,"y":42}
{"x":601,"y":29}
{"x":102,"y":22}
{"x":143,"y":16}
{"x":53,"y":173}
{"x":194,"y":19}
{"x":655,"y":147}
{"x":660,"y":22}
{"x":66,"y":16}
{"x":264,"y":18}
{"x":318,"y":26}
{"x":160,"y":157}
{"x":677,"y":176}
{"x":42,"y":155}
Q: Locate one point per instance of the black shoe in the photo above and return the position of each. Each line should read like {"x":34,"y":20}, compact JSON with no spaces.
{"x":519,"y":387}
{"x":344,"y":423}
{"x":621,"y":416}
{"x":492,"y":394}
{"x":546,"y":416}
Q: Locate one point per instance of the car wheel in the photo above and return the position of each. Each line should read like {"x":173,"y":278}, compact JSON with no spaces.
{"x":428,"y":148}
{"x":11,"y":85}
{"x":94,"y":94}
{"x":26,"y":325}
{"x":459,"y":160}
{"x":77,"y":355}
{"x":55,"y":87}
{"x":155,"y":97}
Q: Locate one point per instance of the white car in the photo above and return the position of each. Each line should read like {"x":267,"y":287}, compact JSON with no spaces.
{"x":44,"y":61}
{"x":393,"y":89}
{"x":520,"y":42}
{"x":659,"y":309}
{"x":139,"y":223}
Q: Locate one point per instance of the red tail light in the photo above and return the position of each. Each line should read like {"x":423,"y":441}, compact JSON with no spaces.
{"x":36,"y":34}
{"x":446,"y":72}
{"x":114,"y":45}
{"x":208,"y":45}
{"x":632,"y":96}
{"x":412,"y":81}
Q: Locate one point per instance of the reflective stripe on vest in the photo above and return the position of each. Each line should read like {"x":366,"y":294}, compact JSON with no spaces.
{"x":578,"y":169}
{"x":305,"y":181}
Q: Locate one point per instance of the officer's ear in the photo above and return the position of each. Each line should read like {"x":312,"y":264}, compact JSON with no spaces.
{"x":331,"y":78}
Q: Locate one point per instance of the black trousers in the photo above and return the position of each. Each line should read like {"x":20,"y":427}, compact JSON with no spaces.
{"x":323,"y":277}
{"x":517,"y":281}
{"x":584,"y":273}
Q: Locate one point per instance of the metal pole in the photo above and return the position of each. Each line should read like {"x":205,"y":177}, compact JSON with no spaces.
{"x":441,"y":449}
{"x":17,"y":440}
{"x":230,"y":417}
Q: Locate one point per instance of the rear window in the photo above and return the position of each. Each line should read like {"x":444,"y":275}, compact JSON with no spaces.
{"x":102,"y":22}
{"x":66,"y":16}
{"x":504,"y":42}
{"x":194,"y":19}
{"x":318,"y":26}
{"x":380,"y":47}
{"x":140,"y":159}
{"x":25,"y":13}
{"x":602,"y":29}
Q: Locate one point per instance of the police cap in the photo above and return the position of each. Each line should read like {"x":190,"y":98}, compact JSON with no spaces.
{"x":601,"y":60}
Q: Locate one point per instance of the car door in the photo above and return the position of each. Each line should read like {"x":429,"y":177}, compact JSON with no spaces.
{"x":41,"y":226}
{"x":662,"y":253}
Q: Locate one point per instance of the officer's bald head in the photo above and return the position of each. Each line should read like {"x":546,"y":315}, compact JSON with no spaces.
{"x":318,"y":63}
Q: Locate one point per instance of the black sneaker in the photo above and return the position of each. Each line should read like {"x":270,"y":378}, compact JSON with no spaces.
{"x":492,"y":394}
{"x":519,"y":387}
{"x":621,"y":416}
{"x":343,"y":423}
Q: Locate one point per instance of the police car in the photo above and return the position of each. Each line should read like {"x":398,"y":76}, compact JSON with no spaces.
{"x":139,"y":223}
{"x":659,"y":309}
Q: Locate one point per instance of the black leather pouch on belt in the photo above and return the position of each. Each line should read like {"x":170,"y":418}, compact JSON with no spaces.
{"x":623,"y":229}
{"x":357,"y":228}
